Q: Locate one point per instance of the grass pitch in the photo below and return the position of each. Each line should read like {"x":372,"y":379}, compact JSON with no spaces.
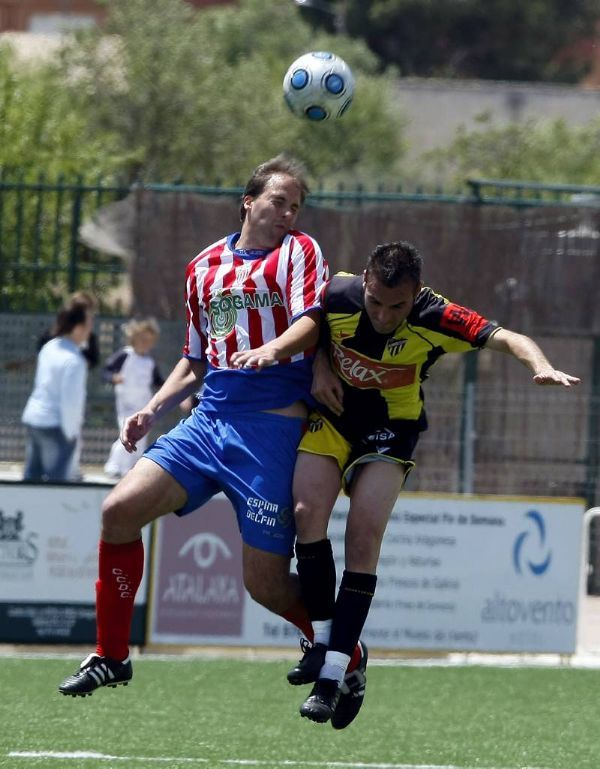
{"x":214,"y":714}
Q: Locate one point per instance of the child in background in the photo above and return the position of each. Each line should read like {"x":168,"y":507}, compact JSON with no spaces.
{"x":135,"y":375}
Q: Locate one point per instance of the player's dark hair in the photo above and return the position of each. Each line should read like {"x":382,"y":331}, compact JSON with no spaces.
{"x":393,"y":263}
{"x":281,"y":164}
{"x":70,"y":315}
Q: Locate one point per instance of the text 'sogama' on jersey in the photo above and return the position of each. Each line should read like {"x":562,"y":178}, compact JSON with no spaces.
{"x":235,"y":303}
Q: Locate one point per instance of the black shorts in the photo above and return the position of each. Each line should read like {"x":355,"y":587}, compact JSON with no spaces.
{"x":394,"y":442}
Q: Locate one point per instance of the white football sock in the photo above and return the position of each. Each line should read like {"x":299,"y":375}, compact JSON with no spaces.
{"x":335,"y":666}
{"x":322,"y":631}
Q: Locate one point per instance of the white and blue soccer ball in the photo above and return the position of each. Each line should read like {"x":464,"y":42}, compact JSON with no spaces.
{"x":318,"y":86}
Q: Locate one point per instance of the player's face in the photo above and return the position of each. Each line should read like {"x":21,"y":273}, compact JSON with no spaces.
{"x":388,"y":308}
{"x":270,"y":215}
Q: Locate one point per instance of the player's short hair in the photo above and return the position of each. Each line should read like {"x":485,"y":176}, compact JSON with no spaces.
{"x":393,"y":263}
{"x":139,"y":326}
{"x":281,"y":164}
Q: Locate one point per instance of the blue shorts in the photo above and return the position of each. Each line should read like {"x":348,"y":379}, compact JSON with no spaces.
{"x":250,"y":458}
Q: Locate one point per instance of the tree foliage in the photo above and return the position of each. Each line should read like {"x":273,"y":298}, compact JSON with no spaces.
{"x":167,"y":92}
{"x":497,"y":39}
{"x":550,"y":152}
{"x":198,"y":94}
{"x":41,"y":129}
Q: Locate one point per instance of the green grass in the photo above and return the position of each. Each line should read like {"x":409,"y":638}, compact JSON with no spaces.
{"x":224,"y":712}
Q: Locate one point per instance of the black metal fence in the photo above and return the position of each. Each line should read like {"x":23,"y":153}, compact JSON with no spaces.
{"x":43,"y":258}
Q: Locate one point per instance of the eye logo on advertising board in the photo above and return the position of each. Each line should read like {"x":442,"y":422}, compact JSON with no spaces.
{"x":205,"y":548}
{"x":530,"y":552}
{"x":198,"y":574}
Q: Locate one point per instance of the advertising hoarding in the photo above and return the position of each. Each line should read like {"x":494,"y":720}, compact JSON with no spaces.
{"x":49,"y":564}
{"x":470,"y":573}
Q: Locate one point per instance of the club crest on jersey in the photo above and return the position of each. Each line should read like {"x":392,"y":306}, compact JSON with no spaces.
{"x":395,"y":345}
{"x":224,"y":308}
{"x":241,"y":275}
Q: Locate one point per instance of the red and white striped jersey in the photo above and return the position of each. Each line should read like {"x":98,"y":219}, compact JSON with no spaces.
{"x":242,"y":300}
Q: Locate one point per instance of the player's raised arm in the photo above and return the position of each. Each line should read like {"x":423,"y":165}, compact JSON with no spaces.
{"x":524,"y":349}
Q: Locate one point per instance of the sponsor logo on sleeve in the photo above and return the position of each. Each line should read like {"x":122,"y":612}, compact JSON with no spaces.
{"x":462,"y":321}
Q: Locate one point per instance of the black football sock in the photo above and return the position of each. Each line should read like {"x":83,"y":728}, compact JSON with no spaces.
{"x":316,"y":570}
{"x":351,"y":610}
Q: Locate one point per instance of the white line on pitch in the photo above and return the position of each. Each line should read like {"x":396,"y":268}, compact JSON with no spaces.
{"x":80,"y":754}
{"x":452,"y":659}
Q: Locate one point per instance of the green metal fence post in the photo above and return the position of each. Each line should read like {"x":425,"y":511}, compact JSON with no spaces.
{"x":75,"y":223}
{"x":466,"y":469}
{"x":592,"y":472}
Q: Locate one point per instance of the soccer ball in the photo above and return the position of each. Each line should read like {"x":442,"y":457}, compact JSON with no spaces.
{"x":318,"y":86}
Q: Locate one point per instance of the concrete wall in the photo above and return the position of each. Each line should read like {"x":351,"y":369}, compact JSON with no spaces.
{"x":436,"y":108}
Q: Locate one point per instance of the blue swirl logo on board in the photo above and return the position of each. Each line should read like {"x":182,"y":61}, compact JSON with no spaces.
{"x":530,"y":552}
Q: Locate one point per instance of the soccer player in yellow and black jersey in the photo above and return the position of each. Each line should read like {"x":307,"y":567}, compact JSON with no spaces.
{"x":385,"y":331}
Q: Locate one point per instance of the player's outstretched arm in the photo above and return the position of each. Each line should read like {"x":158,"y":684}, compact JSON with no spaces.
{"x":524,"y":349}
{"x":301,"y":335}
{"x":184,"y":380}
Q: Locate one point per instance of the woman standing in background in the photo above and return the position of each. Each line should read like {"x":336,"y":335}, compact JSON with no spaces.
{"x":54,"y":411}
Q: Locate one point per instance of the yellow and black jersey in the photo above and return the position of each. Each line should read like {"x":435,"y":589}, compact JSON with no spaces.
{"x":382,"y":373}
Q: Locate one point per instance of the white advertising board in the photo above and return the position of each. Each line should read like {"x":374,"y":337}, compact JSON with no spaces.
{"x":49,"y":561}
{"x":456,"y":572}
{"x":478,"y":574}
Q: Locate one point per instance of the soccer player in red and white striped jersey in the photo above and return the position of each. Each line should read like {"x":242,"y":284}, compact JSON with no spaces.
{"x":239,"y":300}
{"x":253,"y":308}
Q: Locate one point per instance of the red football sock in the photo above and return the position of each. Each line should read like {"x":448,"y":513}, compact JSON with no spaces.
{"x":298,"y":616}
{"x":354,"y":659}
{"x":120,"y":572}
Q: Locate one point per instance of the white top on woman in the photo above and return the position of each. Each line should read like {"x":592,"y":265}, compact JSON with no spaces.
{"x":59,"y":390}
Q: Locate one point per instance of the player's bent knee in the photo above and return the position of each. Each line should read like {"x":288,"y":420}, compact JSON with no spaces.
{"x":119,"y":523}
{"x":302,"y":515}
{"x":310,"y":520}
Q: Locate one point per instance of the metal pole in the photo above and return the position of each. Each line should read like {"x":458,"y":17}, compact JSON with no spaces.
{"x":468,"y":435}
{"x":75,"y":222}
{"x":593,"y":452}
